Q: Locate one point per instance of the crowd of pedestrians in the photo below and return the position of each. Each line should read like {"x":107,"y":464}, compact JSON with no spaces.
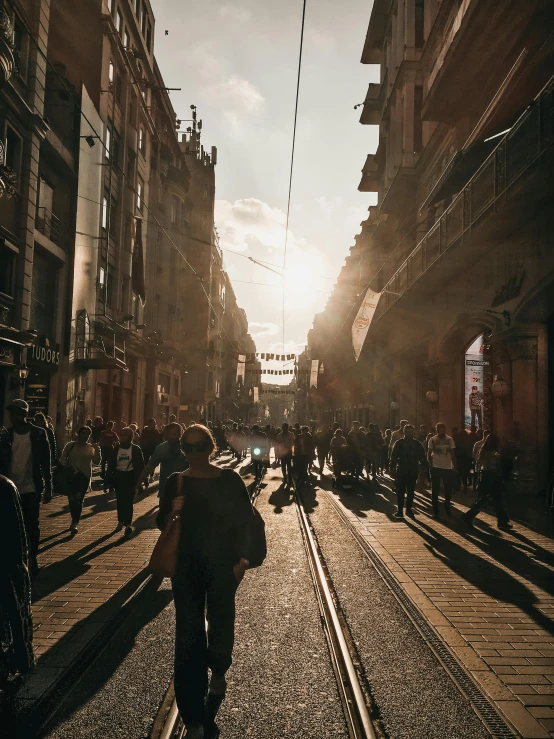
{"x":31,"y":470}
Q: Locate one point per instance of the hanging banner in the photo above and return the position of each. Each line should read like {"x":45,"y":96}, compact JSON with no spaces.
{"x":256,"y":395}
{"x":314,"y":372}
{"x":363,"y":320}
{"x":241,"y":368}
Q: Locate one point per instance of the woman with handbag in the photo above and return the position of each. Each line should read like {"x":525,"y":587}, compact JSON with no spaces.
{"x":211,"y":535}
{"x":77,"y":459}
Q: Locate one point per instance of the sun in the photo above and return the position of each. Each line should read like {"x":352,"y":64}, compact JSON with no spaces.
{"x":298,"y":279}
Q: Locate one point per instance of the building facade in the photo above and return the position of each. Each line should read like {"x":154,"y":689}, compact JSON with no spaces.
{"x":459,"y":248}
{"x":112,"y":285}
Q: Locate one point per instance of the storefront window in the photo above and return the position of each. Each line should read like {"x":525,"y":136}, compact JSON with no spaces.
{"x":44,"y":293}
{"x":478,"y":381}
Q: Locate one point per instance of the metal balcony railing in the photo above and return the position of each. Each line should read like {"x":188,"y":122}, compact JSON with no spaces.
{"x":48,"y":224}
{"x":97,"y":348}
{"x":518,"y":151}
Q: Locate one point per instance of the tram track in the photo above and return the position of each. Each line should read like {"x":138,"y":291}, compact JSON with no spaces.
{"x":353,"y":690}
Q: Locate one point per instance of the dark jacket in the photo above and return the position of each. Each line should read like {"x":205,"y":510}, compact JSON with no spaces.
{"x":40,"y":452}
{"x":51,"y":440}
{"x":136,"y":457}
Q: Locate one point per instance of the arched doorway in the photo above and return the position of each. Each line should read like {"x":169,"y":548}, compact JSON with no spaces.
{"x":477,"y":384}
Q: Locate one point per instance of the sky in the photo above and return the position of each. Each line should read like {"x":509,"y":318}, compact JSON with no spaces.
{"x":237,"y":62}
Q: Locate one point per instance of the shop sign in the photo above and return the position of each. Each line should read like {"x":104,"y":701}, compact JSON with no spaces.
{"x":9,"y":353}
{"x":44,"y":353}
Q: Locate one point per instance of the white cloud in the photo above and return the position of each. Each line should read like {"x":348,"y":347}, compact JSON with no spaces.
{"x":235,"y":13}
{"x":239,"y":91}
{"x":320,"y":40}
{"x":329,"y":204}
{"x":266,"y":328}
{"x":250,"y":222}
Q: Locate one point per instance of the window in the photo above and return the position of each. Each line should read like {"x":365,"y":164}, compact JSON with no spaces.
{"x":142,"y":140}
{"x":132,"y":108}
{"x":140,"y":194}
{"x":143,"y":19}
{"x":102,"y":282}
{"x":44,"y":293}
{"x":7,"y":270}
{"x":119,"y":23}
{"x":175,"y":203}
{"x":105,"y":212}
{"x":175,"y":386}
{"x":210,"y":382}
{"x":12,"y":155}
{"x":164,"y":383}
{"x":111,"y":72}
{"x":131,"y":159}
{"x":126,"y":39}
{"x":149,"y":37}
{"x":111,"y":6}
{"x":21,"y":47}
{"x":108,"y":142}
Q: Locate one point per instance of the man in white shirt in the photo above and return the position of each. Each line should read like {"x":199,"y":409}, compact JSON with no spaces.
{"x":26,"y":461}
{"x":441,"y":456}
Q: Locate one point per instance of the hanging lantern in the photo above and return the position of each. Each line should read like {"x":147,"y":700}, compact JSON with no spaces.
{"x":395,"y":405}
{"x":500,"y":388}
{"x":432,"y":396}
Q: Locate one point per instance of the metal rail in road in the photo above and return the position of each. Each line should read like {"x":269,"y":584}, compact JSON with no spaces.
{"x":355,"y":704}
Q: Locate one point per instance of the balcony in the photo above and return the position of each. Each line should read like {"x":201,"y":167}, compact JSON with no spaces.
{"x":97,"y":347}
{"x":370,"y":179}
{"x":48,"y":225}
{"x":371,"y":112}
{"x":179,"y":177}
{"x":7,"y":59}
{"x":508,"y":171}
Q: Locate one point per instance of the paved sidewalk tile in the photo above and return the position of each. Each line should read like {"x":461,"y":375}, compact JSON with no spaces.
{"x":489,"y":594}
{"x":81,"y":581}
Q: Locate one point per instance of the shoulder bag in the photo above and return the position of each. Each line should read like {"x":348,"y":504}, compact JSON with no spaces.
{"x":163,"y":561}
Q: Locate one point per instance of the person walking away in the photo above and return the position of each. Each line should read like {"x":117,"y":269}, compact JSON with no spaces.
{"x":283,"y":449}
{"x":39,"y":420}
{"x":258,"y":451}
{"x":385,"y":450}
{"x":78,"y":457}
{"x":374,"y":442}
{"x":303,"y":452}
{"x":491,"y":484}
{"x":16,"y":622}
{"x":463,"y":457}
{"x":441,"y":456}
{"x":26,"y":461}
{"x":407,"y":457}
{"x":97,"y":429}
{"x":150,"y":439}
{"x":338,"y":445}
{"x":214,"y":552}
{"x":357,"y":441}
{"x":108,"y":440}
{"x":124,"y":469}
{"x":169,"y":455}
{"x":323,"y":446}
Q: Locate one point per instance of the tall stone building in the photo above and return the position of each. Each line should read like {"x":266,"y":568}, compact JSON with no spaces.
{"x":111,"y":284}
{"x":460,"y":244}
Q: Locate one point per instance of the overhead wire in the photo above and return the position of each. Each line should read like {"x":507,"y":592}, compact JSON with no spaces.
{"x":292,"y":159}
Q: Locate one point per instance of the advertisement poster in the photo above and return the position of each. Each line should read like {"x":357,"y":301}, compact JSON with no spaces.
{"x":361,"y":324}
{"x":313,"y":372}
{"x":478,"y":380}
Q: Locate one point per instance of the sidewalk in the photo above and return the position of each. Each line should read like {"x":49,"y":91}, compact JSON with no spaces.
{"x":83,"y":581}
{"x":489,"y":594}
